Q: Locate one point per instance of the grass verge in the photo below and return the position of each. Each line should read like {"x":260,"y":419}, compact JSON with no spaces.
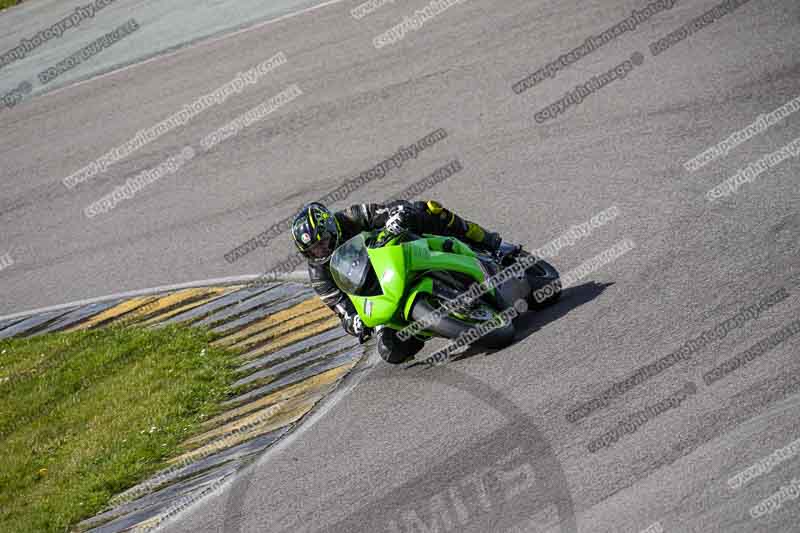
{"x":8,"y":3}
{"x":85,"y":415}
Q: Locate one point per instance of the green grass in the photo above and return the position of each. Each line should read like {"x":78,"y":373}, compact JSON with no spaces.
{"x":86,"y":415}
{"x":8,"y":3}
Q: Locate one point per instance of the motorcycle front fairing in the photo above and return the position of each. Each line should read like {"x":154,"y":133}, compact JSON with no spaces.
{"x":373,"y":278}
{"x":398,"y":268}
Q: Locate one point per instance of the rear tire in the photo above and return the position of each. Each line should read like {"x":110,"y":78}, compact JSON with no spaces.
{"x":450,"y":327}
{"x":543,"y":276}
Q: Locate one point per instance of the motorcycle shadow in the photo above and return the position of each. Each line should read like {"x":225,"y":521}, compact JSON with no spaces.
{"x":534,"y":320}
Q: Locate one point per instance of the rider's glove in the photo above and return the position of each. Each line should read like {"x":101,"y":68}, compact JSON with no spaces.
{"x":352,"y":324}
{"x":400,"y":220}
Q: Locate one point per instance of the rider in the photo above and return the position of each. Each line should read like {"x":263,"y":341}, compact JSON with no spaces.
{"x":317,"y":232}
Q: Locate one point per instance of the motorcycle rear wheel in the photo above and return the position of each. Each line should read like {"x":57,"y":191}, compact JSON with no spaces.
{"x":543,"y":275}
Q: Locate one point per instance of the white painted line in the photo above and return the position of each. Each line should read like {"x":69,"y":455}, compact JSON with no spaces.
{"x":195,"y":45}
{"x":350,"y":381}
{"x":296,"y":276}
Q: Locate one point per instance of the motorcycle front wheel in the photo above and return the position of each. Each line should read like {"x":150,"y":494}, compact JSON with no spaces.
{"x":453,"y":325}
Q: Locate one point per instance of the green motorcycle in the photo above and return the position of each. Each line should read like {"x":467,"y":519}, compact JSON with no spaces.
{"x":404,"y":281}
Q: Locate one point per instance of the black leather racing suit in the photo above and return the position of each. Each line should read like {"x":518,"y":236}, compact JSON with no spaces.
{"x":427,"y":217}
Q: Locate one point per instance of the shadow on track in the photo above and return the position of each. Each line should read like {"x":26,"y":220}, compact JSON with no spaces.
{"x":532,"y":321}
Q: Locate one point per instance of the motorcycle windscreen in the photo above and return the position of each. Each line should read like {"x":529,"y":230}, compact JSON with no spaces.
{"x":352,"y":270}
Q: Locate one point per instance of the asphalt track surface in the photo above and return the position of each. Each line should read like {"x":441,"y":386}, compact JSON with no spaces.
{"x":482,"y":443}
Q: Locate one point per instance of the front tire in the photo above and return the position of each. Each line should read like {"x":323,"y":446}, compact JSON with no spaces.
{"x":393,"y":350}
{"x":451,"y":327}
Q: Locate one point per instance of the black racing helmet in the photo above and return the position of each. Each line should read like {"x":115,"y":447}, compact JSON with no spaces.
{"x":316,"y":232}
